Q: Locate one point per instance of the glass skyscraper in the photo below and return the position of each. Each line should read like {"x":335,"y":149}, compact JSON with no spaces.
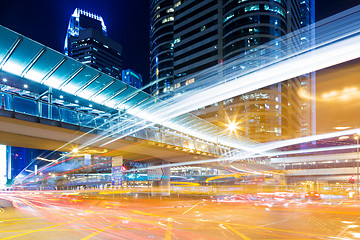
{"x":132,"y":78}
{"x":86,"y":41}
{"x":161,"y":46}
{"x":210,"y":32}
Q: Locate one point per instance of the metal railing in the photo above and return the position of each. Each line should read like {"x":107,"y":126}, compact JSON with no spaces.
{"x":43,"y":109}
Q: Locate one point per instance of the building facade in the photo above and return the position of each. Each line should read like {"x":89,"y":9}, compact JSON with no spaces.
{"x":308,"y":81}
{"x":86,"y":41}
{"x":132,"y":78}
{"x":212,"y":32}
{"x":197,"y":37}
{"x":162,"y":46}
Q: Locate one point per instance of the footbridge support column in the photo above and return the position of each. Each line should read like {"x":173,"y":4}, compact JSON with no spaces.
{"x":159,"y":177}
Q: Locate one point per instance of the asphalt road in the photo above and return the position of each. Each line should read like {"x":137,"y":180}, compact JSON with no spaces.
{"x":48,"y":216}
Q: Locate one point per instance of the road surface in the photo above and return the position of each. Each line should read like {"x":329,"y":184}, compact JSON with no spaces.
{"x":27,"y":215}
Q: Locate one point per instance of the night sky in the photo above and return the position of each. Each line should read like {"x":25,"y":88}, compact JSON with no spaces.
{"x":127,"y":22}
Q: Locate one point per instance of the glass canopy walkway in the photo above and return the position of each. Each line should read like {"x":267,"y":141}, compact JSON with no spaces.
{"x":101,"y":123}
{"x":49,"y":76}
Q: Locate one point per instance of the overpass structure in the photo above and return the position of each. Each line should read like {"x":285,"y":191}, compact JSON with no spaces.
{"x":114,"y":110}
{"x":43,"y":86}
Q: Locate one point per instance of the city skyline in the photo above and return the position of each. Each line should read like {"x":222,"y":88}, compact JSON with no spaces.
{"x":224,"y":152}
{"x":123,"y":18}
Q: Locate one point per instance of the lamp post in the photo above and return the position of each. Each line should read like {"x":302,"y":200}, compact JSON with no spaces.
{"x":357,"y":164}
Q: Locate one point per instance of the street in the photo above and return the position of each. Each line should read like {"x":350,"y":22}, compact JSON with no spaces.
{"x":47,"y":216}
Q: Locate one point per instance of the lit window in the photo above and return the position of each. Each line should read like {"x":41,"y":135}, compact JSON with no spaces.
{"x":168,"y":19}
{"x":202,"y":28}
{"x":170,"y":10}
{"x":274,"y":9}
{"x":252,"y":8}
{"x":231,"y":15}
{"x":157,"y":16}
{"x":177,"y":40}
{"x":157,"y":8}
{"x":189,"y":81}
{"x":177,"y":4}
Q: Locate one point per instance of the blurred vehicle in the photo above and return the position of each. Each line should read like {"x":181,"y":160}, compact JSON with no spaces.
{"x":312,"y":195}
{"x":291,"y":195}
{"x":279,"y":195}
{"x":230,"y":199}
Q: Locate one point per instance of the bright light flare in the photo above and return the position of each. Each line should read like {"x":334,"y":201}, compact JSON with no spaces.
{"x":232,"y":126}
{"x":75,"y":150}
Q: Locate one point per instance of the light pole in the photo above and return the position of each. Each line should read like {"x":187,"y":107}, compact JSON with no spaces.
{"x":357,"y":164}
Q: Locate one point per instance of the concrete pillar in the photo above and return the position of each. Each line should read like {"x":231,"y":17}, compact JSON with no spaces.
{"x":160,"y":180}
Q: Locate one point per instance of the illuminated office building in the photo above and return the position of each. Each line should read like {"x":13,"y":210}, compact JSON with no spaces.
{"x":86,"y":41}
{"x":161,"y":46}
{"x":211,"y":32}
{"x":308,"y":81}
{"x":132,"y":78}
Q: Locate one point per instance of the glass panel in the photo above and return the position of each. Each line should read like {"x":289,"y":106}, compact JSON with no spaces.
{"x":151,"y":135}
{"x":22,"y":56}
{"x":112,"y":125}
{"x":43,"y":65}
{"x":141,"y":134}
{"x":69,"y":116}
{"x":81,"y":78}
{"x":177,"y":141}
{"x":199,"y":146}
{"x":63,"y":73}
{"x":95,"y":86}
{"x":7,"y":39}
{"x":6,"y":101}
{"x":23,"y":105}
{"x":168,"y":140}
{"x":86,"y":120}
{"x":44,"y":110}
{"x":102,"y":124}
{"x":126,"y":94}
{"x":55,"y":112}
{"x":109,"y":91}
{"x":50,"y":112}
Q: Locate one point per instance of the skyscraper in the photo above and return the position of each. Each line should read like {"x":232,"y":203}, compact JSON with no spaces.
{"x":206,"y":33}
{"x":132,"y":78}
{"x":86,"y":41}
{"x":308,"y":81}
{"x":162,"y":45}
{"x":197,"y":37}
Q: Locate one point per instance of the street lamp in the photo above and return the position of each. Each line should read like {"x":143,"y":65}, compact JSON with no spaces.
{"x":356,"y":137}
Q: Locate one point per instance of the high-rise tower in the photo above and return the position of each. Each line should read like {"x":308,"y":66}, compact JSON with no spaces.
{"x":86,"y":41}
{"x":162,"y":45}
{"x":211,"y":32}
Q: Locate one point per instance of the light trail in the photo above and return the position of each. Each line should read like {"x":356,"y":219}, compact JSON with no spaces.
{"x":311,"y":150}
{"x":279,"y":144}
{"x":334,"y":45}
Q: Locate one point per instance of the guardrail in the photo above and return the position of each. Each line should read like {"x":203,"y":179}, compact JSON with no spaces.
{"x":39,"y":108}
